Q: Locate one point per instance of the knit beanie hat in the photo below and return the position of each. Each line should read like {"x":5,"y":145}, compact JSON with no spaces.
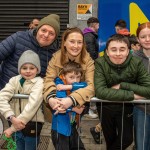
{"x":29,"y":57}
{"x":52,"y":20}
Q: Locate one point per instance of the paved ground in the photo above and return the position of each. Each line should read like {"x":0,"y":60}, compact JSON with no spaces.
{"x":85,"y":134}
{"x":86,"y":137}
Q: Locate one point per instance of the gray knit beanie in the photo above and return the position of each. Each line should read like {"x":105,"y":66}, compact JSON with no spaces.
{"x":52,"y":20}
{"x":29,"y":57}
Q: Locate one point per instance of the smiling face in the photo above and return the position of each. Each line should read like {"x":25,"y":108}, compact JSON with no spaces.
{"x":28,"y":71}
{"x":45,"y":35}
{"x":117,"y":52}
{"x":74,"y":44}
{"x":144,"y":38}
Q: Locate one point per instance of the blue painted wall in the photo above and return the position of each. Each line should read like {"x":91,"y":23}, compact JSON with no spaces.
{"x":109,"y":11}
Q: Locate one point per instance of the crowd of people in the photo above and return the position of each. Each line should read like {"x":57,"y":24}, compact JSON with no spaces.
{"x":67,"y":76}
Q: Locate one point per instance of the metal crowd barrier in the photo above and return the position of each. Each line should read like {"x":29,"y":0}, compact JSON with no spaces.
{"x":94,"y":99}
{"x":44,"y":140}
{"x":143,"y":102}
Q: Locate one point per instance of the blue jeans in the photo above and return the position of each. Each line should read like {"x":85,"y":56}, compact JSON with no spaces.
{"x":25,"y":142}
{"x":142,"y":129}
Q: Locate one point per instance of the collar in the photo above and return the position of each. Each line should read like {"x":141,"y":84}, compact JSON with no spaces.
{"x":22,"y":80}
{"x":124,"y":64}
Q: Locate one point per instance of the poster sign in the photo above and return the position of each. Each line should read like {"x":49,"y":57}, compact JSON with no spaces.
{"x":134,"y":12}
{"x":84,"y":11}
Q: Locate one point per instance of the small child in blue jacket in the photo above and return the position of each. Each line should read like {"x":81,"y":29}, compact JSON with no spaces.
{"x":64,"y":132}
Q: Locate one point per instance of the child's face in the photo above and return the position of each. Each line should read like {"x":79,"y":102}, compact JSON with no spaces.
{"x":28,"y":71}
{"x":117,"y":52}
{"x":72,"y":77}
{"x":135,"y":47}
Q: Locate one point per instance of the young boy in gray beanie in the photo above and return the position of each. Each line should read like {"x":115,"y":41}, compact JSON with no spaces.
{"x":25,"y":115}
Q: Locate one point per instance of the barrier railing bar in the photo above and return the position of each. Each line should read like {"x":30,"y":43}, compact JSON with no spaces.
{"x":94,"y":99}
{"x":23,"y":96}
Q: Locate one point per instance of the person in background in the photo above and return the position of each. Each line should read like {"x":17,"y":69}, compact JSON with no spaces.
{"x":43,"y":40}
{"x":25,"y":115}
{"x":72,"y":49}
{"x":119,"y":76}
{"x":92,"y":46}
{"x":64,"y":132}
{"x":141,"y":113}
{"x":91,"y":37}
{"x":34,"y":23}
{"x":134,"y":43}
{"x":121,"y":27}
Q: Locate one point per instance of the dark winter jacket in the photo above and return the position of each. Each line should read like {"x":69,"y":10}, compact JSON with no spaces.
{"x":146,"y":61}
{"x":131,"y":75}
{"x":91,"y":39}
{"x":13,"y":46}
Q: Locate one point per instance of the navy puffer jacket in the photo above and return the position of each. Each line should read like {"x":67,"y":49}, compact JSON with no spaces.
{"x":13,"y":46}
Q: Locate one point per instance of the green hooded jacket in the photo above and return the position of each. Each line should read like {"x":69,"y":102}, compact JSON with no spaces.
{"x":131,"y":75}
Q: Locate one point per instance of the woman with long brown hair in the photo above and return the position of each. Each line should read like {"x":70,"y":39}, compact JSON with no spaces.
{"x":72,"y":49}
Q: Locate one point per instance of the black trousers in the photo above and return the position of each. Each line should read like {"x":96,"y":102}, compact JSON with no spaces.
{"x":62,"y":142}
{"x":117,"y":130}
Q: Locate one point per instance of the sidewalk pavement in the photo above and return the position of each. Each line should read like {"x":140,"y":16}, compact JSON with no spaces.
{"x":86,"y":137}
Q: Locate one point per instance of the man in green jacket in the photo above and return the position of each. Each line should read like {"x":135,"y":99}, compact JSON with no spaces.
{"x":119,"y":76}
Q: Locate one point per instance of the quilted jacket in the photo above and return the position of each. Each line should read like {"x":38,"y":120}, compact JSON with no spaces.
{"x":131,"y":75}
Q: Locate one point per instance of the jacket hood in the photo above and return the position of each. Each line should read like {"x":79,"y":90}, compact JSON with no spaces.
{"x":88,"y":30}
